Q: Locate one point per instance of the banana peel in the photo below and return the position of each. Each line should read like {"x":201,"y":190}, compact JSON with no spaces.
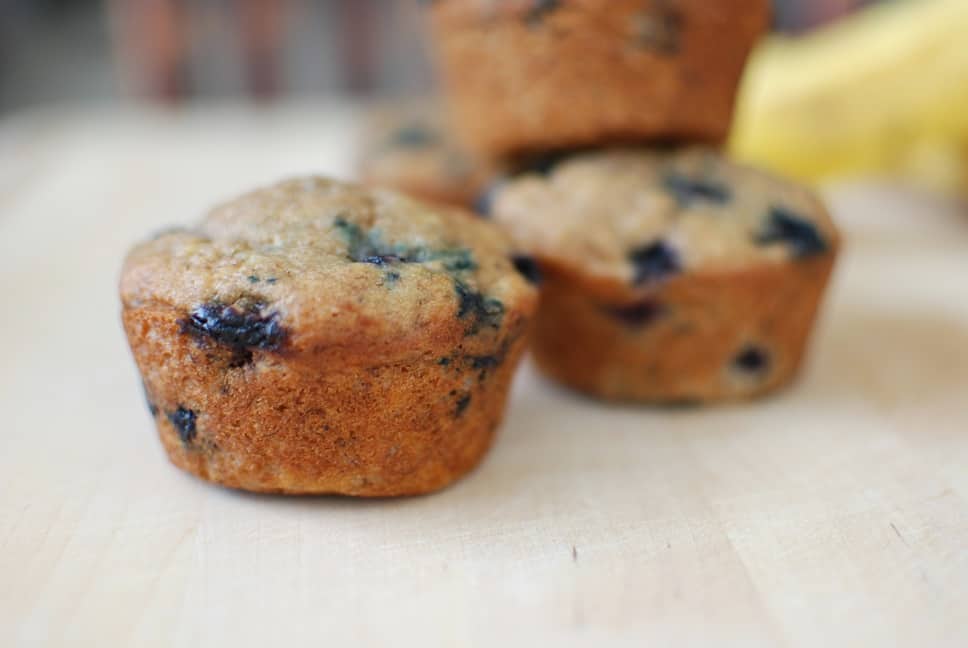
{"x":882,"y":92}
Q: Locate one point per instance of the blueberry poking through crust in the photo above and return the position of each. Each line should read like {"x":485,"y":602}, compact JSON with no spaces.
{"x":752,"y":360}
{"x":184,"y":421}
{"x":785,"y":226}
{"x":240,"y":330}
{"x":541,"y":8}
{"x":636,"y":315}
{"x":691,"y":190}
{"x":654,"y":262}
{"x":528,"y":268}
{"x":236,"y":328}
{"x":462,"y":404}
{"x":484,"y":311}
{"x":382,"y":259}
{"x":659,"y":28}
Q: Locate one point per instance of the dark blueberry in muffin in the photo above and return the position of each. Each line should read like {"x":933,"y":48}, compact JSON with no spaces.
{"x":545,"y":163}
{"x":483,"y":311}
{"x":654,"y":262}
{"x":636,"y":315}
{"x":462,"y":404}
{"x":785,"y":226}
{"x":752,"y":359}
{"x":382,"y":259}
{"x":485,"y":362}
{"x":528,"y":267}
{"x":659,"y":28}
{"x":454,"y":260}
{"x":541,"y":8}
{"x":690,"y":190}
{"x":484,"y":203}
{"x":184,"y":421}
{"x":413,"y":136}
{"x":237,"y":329}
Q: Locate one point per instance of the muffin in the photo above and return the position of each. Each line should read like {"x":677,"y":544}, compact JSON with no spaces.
{"x":409,"y":148}
{"x":534,"y":75}
{"x":319,"y":337}
{"x":673,"y":276}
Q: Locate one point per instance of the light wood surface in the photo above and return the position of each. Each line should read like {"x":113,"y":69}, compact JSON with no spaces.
{"x":835,"y":514}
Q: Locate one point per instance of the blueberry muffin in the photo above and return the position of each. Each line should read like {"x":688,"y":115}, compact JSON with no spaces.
{"x":672,"y":276}
{"x":409,"y":148}
{"x":318,"y":337}
{"x":533,"y":75}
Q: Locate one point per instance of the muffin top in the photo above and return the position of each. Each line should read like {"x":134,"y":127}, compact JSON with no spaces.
{"x":638,"y":217}
{"x":408,"y":147}
{"x":319,"y":267}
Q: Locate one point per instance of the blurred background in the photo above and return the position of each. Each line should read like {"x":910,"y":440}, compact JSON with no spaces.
{"x":844,"y":88}
{"x":172,"y":50}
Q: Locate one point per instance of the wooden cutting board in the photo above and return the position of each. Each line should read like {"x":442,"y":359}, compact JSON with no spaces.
{"x":834,"y":514}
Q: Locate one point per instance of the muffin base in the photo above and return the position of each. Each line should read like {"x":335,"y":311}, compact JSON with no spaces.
{"x":283,"y":425}
{"x":696,"y":338}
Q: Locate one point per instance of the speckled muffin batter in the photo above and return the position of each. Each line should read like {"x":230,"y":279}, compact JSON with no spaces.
{"x":318,"y":337}
{"x":533,"y":75}
{"x":670,"y":276}
{"x":410,"y":148}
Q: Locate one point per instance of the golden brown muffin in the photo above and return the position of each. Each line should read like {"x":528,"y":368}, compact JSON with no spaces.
{"x":409,"y":148}
{"x":318,"y":337}
{"x":670,"y":276}
{"x":534,"y":75}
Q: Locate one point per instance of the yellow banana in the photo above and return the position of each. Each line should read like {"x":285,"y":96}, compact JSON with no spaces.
{"x":884,"y":91}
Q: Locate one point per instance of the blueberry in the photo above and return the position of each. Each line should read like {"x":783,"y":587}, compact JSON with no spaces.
{"x":544,"y":163}
{"x":414,"y":136}
{"x":654,"y":262}
{"x":443,"y":362}
{"x":253,"y":279}
{"x":184,"y":421}
{"x":540,"y":9}
{"x":528,"y":268}
{"x":368,"y":247}
{"x":240,"y":330}
{"x":751,"y":359}
{"x":462,"y":404}
{"x":659,"y":28}
{"x":357,"y":242}
{"x":486,"y":361}
{"x":454,"y":260}
{"x":637,"y":315}
{"x":484,"y":203}
{"x":785,"y":226}
{"x":365,"y":247}
{"x":690,"y":190}
{"x":382,"y":259}
{"x":483,"y":311}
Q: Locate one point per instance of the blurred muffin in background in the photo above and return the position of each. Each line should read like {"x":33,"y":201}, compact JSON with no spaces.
{"x":408,"y":146}
{"x":528,"y":76}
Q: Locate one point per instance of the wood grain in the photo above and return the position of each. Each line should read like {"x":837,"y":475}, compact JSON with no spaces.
{"x":834,"y":514}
